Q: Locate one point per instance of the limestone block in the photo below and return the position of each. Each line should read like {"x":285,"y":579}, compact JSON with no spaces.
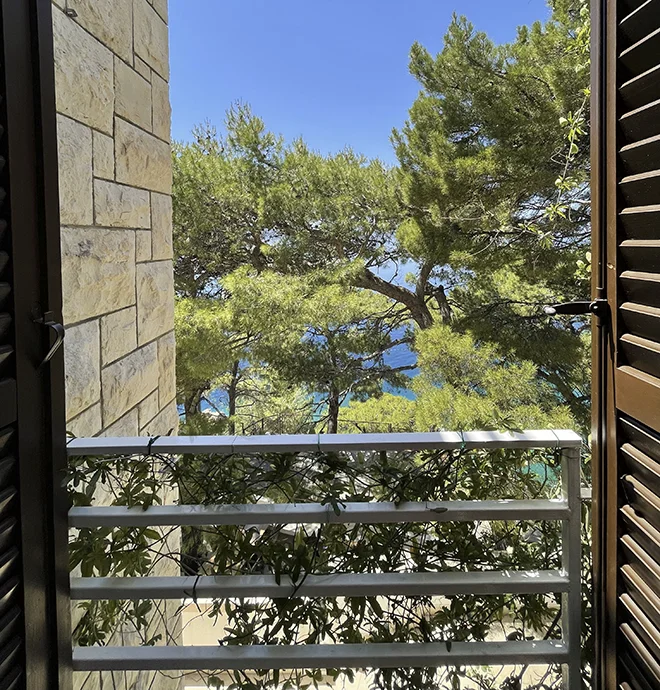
{"x":141,"y":159}
{"x":161,"y":7}
{"x":126,"y":426}
{"x":119,"y":206}
{"x":118,"y":334}
{"x":104,"y":156}
{"x":110,"y":21}
{"x":87,"y":423}
{"x":161,"y":226}
{"x":155,"y":304}
{"x":142,"y":68}
{"x":148,"y":409}
{"x":165,"y":422}
{"x":82,"y":366}
{"x":84,"y":84}
{"x":167,"y":369}
{"x":127,"y":381}
{"x":143,"y":245}
{"x":132,"y":95}
{"x":98,"y":272}
{"x":162,"y":111}
{"x":150,"y":38}
{"x":74,"y":148}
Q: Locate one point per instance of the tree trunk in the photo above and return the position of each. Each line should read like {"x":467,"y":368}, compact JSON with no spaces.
{"x":192,"y":404}
{"x":333,"y":412}
{"x":232,"y":394}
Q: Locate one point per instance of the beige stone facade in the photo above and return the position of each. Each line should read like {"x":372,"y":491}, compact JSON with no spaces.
{"x":111,"y":78}
{"x":111,"y":72}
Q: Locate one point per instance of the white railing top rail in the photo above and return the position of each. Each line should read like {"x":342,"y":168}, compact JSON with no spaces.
{"x":440,"y":440}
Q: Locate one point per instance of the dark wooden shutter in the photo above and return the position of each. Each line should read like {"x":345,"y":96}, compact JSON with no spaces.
{"x":34,"y":607}
{"x":626,"y":214}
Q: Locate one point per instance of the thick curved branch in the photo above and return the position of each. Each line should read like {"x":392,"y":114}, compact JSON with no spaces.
{"x":416,"y":306}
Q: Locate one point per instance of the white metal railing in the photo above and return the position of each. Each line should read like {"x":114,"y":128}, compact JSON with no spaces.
{"x":566,"y":580}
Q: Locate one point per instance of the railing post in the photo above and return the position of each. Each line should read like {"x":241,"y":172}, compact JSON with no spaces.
{"x":572,"y":565}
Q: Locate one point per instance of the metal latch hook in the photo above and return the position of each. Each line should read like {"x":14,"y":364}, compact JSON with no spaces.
{"x":599,"y":308}
{"x":48,"y":320}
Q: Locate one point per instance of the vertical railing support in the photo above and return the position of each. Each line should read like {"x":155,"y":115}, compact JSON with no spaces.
{"x":572,"y":565}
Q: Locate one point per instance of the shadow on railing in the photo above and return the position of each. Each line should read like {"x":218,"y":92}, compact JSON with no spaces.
{"x":364,"y":524}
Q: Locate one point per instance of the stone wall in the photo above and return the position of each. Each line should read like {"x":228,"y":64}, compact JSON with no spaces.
{"x":111,"y":78}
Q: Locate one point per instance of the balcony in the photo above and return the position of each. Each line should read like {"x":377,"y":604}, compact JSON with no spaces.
{"x":342,"y":462}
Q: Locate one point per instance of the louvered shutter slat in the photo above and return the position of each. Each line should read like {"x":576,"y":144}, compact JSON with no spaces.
{"x":641,"y":156}
{"x":642,"y":594}
{"x":635,"y":26}
{"x":646,"y":666}
{"x":640,"y":90}
{"x":640,"y":319}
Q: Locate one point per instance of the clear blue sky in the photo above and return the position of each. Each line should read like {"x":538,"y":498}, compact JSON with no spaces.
{"x":333,"y":71}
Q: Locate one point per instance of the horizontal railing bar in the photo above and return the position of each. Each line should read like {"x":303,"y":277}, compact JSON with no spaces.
{"x":270,"y":657}
{"x":341,"y":585}
{"x":224,"y":445}
{"x":311,"y":513}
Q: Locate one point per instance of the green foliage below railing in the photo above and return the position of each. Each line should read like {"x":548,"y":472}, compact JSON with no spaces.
{"x":300,"y":550}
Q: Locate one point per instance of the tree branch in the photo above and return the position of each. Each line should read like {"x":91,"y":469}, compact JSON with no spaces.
{"x":417,"y":308}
